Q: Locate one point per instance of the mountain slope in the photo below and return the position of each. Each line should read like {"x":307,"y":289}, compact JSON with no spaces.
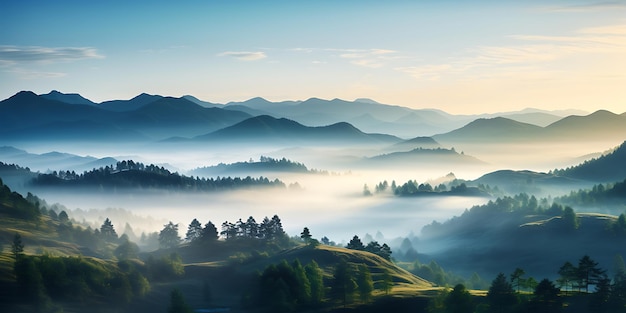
{"x":200,"y":102}
{"x":28,"y":117}
{"x":600,"y":124}
{"x":496,"y":129}
{"x":129,"y":105}
{"x":52,"y":160}
{"x":185,"y":117}
{"x":536,"y":118}
{"x":530,"y":182}
{"x":607,"y":168}
{"x":511,"y":232}
{"x":420,"y":156}
{"x":417,"y":142}
{"x":364,"y":114}
{"x":26,"y":109}
{"x":71,"y":98}
{"x":267,"y":128}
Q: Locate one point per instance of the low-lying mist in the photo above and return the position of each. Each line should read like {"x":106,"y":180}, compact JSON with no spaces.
{"x":329,"y":205}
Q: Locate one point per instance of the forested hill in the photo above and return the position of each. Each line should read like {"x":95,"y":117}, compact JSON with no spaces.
{"x":607,"y":168}
{"x":129,"y":174}
{"x":500,"y":235}
{"x":265,"y":164}
{"x":14,"y":205}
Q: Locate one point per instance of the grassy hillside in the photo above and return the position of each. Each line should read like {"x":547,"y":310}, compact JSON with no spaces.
{"x":79,"y":267}
{"x":522,"y":232}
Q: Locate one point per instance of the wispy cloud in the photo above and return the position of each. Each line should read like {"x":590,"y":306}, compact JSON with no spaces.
{"x":426,"y":72}
{"x":530,"y":54}
{"x":244,"y":55}
{"x":19,"y":54}
{"x":597,"y":6}
{"x":372,"y":58}
{"x":29,"y":74}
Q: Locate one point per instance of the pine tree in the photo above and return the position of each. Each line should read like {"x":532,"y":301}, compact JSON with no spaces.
{"x":194,"y":231}
{"x":177,"y":303}
{"x":168,"y":237}
{"x":278,"y":233}
{"x":568,"y":275}
{"x":516,"y":278}
{"x":589,"y":273}
{"x":303,"y":287}
{"x":316,"y":279}
{"x":306,"y":235}
{"x":570,"y":218}
{"x":355,"y":244}
{"x":343,"y":286}
{"x":501,"y":295}
{"x":107,"y":231}
{"x":365,"y":283}
{"x":387,"y":284}
{"x":209,"y":232}
{"x":17,"y":247}
{"x":546,"y":297}
{"x":252,"y":228}
{"x":459,"y":300}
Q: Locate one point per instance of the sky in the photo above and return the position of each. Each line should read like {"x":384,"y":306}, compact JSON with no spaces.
{"x":463,"y":57}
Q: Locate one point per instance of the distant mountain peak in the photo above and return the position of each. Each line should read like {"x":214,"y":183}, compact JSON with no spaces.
{"x":366,"y":100}
{"x":71,"y":98}
{"x":259,"y":99}
{"x":145,"y":95}
{"x":25,"y":93}
{"x":602,"y":113}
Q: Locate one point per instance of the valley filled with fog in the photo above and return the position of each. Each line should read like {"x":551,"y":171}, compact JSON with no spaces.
{"x":497,"y":191}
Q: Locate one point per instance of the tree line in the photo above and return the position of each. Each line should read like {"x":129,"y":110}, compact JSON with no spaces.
{"x":598,"y":194}
{"x":130,"y":174}
{"x":264,"y":163}
{"x":292,"y":287}
{"x":414,"y":188}
{"x":504,"y":294}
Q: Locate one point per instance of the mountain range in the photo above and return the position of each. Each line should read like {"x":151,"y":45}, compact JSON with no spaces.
{"x":52,"y":160}
{"x":607,"y":168}
{"x":600,"y":125}
{"x":270,"y":129}
{"x":58,"y":116}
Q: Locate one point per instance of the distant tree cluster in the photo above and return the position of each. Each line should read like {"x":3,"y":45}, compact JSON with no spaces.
{"x":13,"y":168}
{"x":373,"y":247}
{"x":198,"y":234}
{"x":268,"y":229}
{"x":598,"y":194}
{"x":504,"y":294}
{"x":292,"y":287}
{"x":167,"y":267}
{"x":288,"y":287}
{"x":264,"y":164}
{"x":519,"y":205}
{"x":414,"y":188}
{"x":129,"y":174}
{"x":41,"y":279}
{"x":586,"y":274}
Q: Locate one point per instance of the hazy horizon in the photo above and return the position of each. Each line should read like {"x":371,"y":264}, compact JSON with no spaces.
{"x":460,"y":57}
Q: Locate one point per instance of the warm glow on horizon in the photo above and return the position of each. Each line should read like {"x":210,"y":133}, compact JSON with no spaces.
{"x":463,"y":58}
